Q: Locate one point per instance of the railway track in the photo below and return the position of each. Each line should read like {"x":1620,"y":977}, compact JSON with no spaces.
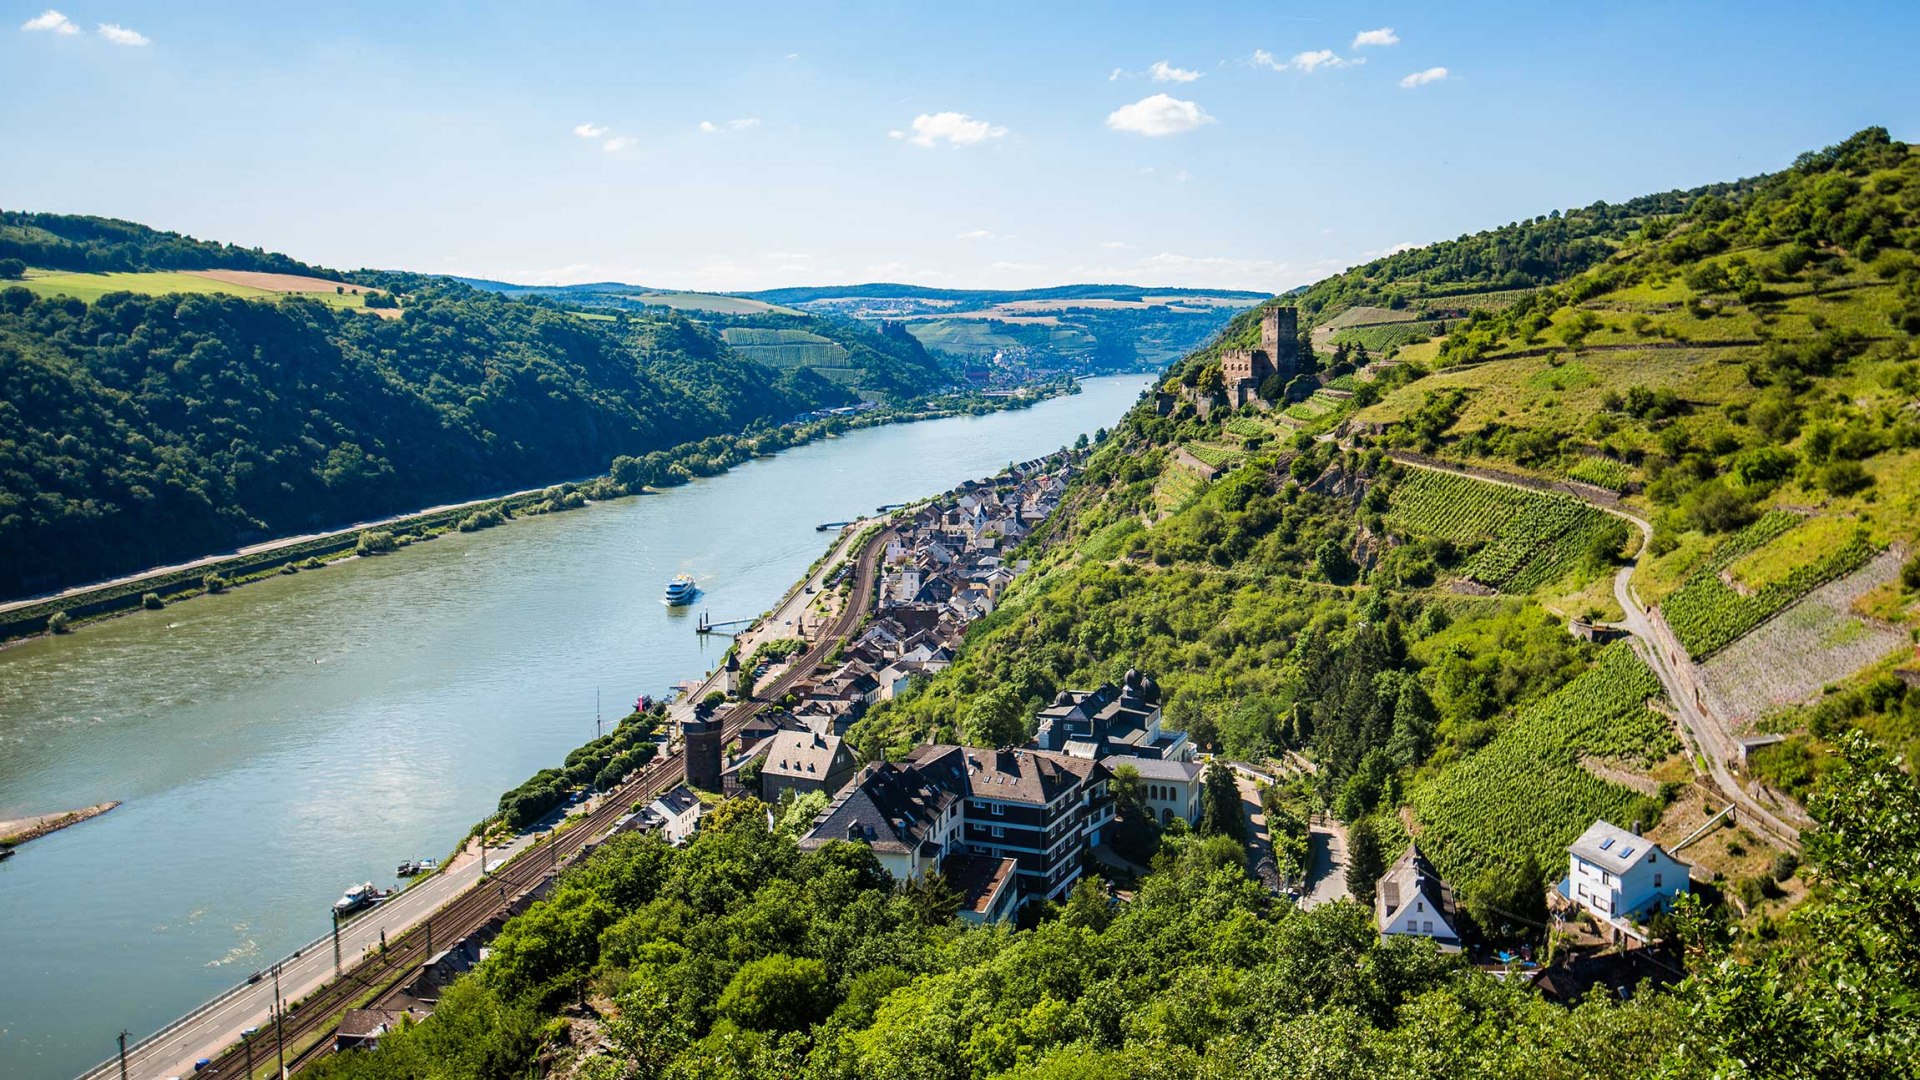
{"x":379,"y":978}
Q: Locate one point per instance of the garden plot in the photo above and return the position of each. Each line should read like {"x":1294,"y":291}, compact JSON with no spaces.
{"x":1815,"y":641}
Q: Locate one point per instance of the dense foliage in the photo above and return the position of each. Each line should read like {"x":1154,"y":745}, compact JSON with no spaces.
{"x":141,"y":430}
{"x":739,"y":956}
{"x":97,"y":244}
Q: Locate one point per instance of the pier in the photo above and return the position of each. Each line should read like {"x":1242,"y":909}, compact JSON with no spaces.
{"x":708,"y":626}
{"x":828,"y":526}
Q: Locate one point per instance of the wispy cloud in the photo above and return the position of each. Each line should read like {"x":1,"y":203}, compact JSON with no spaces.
{"x":1158,"y":115}
{"x":121,"y":35}
{"x":740,"y":124}
{"x":1161,"y":71}
{"x":1422,"y":78}
{"x":619,"y":143}
{"x":1382,"y":36}
{"x":975,"y":234}
{"x":49,"y":22}
{"x":1308,"y":62}
{"x":954,"y":129}
{"x":1116,"y":245}
{"x":589,"y":130}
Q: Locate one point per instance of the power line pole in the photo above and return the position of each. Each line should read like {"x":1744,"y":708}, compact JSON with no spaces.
{"x":336,"y":941}
{"x":123,"y":1053}
{"x":279,"y":1015}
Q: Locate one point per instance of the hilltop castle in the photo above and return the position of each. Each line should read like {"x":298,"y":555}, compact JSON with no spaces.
{"x":1279,"y":354}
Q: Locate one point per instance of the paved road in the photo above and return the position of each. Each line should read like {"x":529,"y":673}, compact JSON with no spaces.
{"x":1655,"y":643}
{"x":1326,"y":863}
{"x":1259,"y":840}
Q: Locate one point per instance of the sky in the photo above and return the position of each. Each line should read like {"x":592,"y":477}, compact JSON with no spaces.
{"x":745,"y":146}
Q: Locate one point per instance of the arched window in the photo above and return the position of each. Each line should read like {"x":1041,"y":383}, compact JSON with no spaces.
{"x":1166,"y":817}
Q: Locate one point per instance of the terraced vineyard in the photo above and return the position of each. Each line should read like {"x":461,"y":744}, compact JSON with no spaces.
{"x":1526,"y":539}
{"x":1213,"y":454}
{"x":1707,"y":613}
{"x":782,"y":348}
{"x":1601,"y":472}
{"x":1526,"y":793}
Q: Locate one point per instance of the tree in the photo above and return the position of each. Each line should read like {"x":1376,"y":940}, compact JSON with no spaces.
{"x":995,"y":720}
{"x":12,"y":269}
{"x":1366,"y":860}
{"x":1135,"y":832}
{"x":1221,"y":813}
{"x":375,"y":542}
{"x":59,"y":622}
{"x":777,"y":993}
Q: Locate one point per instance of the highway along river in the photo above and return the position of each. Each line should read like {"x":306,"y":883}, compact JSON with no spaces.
{"x":277,"y":744}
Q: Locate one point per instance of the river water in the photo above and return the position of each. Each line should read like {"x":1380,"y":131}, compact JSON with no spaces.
{"x":278,"y":743}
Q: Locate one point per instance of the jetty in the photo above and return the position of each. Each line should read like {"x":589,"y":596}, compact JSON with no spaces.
{"x":829,"y":526}
{"x":706,"y":625}
{"x":15,"y":833}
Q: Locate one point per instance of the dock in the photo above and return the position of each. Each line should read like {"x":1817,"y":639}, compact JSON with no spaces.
{"x":706,"y":625}
{"x":829,"y":526}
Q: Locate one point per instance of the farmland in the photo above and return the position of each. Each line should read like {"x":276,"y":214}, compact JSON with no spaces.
{"x":91,"y":287}
{"x":714,"y":302}
{"x":1525,"y":539}
{"x":1525,"y":794}
{"x":783,"y":348}
{"x":1707,"y":613}
{"x":1816,"y":641}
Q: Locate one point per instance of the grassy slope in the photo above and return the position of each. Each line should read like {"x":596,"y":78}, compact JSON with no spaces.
{"x":91,"y":287}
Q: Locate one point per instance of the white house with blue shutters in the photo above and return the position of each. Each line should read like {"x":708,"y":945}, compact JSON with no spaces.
{"x":1620,"y":876}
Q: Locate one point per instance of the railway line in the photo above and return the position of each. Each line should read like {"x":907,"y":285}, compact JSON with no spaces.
{"x":305,"y":1029}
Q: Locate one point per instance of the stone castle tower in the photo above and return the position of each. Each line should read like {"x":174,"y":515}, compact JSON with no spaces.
{"x":701,"y":730}
{"x":1244,"y":370}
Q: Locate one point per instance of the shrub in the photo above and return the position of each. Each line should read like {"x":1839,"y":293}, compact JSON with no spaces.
{"x":59,"y":622}
{"x":214,"y":583}
{"x":375,"y":542}
{"x":152,"y":602}
{"x":1785,"y":865}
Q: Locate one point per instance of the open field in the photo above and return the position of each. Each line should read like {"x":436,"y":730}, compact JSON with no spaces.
{"x":91,"y":287}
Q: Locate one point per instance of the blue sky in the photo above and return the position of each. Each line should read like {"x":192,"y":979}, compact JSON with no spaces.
{"x":749,"y":146}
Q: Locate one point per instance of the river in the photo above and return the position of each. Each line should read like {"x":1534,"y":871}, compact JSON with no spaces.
{"x":282,"y":741}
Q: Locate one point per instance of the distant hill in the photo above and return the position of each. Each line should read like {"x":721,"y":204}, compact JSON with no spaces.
{"x":890,"y":291}
{"x":100,"y":245}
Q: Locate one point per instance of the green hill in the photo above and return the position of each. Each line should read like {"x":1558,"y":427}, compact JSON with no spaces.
{"x":145,"y":430}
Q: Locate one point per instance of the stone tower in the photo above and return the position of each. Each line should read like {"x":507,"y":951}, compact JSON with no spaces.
{"x":1280,"y":340}
{"x":700,"y":729}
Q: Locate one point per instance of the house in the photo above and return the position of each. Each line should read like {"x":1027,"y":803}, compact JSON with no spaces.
{"x":802,"y":761}
{"x":1620,"y":876}
{"x":1410,"y":900}
{"x":1040,"y":811}
{"x":360,"y":1029}
{"x":1111,"y":720}
{"x":986,"y":886}
{"x":678,"y":814}
{"x":1171,"y":788}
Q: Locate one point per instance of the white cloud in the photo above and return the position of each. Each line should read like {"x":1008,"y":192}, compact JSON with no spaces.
{"x":1161,"y":71}
{"x":974,"y":234}
{"x":1422,"y":78}
{"x":1115,"y":77}
{"x":793,"y":56}
{"x":619,"y":143}
{"x":1116,"y":245}
{"x":1382,"y":36}
{"x":1023,"y":266}
{"x":50,"y":22}
{"x":589,"y":130}
{"x":121,"y":35}
{"x":1369,"y":256}
{"x":955,"y":129}
{"x":1157,"y":115}
{"x":1309,"y":61}
{"x":741,"y":124}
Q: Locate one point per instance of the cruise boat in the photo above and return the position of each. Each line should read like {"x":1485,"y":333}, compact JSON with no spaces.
{"x":680,"y":591}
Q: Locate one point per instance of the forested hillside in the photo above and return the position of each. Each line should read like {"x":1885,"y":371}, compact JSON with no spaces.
{"x":98,"y":244}
{"x":146,"y":429}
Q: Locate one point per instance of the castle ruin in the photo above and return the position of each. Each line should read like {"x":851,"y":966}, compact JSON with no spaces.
{"x":1243,"y":370}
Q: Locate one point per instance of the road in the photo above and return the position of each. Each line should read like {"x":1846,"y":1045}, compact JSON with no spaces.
{"x":457,"y":900}
{"x":1655,"y":643}
{"x":1326,"y":863}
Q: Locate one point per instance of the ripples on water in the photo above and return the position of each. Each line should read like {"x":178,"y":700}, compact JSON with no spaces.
{"x":277,"y":743}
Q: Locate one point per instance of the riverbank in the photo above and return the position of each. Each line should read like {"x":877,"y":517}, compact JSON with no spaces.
{"x":161,"y":587}
{"x":19,"y":831}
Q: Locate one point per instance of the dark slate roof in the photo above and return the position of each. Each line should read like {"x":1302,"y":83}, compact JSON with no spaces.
{"x":892,"y":805}
{"x":1024,"y":776}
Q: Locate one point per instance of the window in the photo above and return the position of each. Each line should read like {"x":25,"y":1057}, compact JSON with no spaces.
{"x":1607,"y":843}
{"x":1410,"y":927}
{"x":998,"y":809}
{"x":998,"y":832}
{"x":1427,"y":928}
{"x":1656,"y":881}
{"x":1421,"y":906}
{"x":1625,"y":854}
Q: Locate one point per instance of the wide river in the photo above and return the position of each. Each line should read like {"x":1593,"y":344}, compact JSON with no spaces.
{"x":276,"y":744}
